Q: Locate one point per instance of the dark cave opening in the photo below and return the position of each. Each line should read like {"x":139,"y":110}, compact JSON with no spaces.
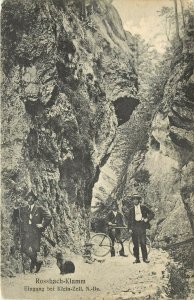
{"x":124,"y":107}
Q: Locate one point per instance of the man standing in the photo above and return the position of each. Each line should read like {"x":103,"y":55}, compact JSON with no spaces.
{"x":138,"y":222}
{"x":115,"y":219}
{"x":33,"y":220}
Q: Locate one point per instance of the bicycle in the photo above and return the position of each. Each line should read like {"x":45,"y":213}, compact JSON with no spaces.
{"x":102,"y":244}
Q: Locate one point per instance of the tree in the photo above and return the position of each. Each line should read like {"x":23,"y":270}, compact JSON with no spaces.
{"x":173,"y":26}
{"x":168,"y":14}
{"x":176,"y":20}
{"x":182,"y":11}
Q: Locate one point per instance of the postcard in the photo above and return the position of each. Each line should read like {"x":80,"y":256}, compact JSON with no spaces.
{"x":97,"y":149}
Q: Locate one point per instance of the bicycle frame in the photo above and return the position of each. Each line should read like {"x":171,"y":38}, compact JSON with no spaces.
{"x":119,"y":227}
{"x":103,"y":247}
{"x":101,"y":244}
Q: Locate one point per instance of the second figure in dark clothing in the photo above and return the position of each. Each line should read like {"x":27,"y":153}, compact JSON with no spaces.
{"x":115,"y":219}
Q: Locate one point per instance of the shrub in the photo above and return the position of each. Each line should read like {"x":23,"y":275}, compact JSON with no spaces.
{"x":177,"y":287}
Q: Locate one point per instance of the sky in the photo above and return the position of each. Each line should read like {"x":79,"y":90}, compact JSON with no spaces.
{"x":141,"y":17}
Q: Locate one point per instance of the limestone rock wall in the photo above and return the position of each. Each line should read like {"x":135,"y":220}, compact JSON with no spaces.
{"x":68,"y":77}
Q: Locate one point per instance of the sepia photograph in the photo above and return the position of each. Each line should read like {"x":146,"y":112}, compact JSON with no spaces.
{"x":97,"y":149}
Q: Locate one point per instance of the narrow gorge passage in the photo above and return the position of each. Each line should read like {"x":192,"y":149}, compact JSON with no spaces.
{"x":97,"y":100}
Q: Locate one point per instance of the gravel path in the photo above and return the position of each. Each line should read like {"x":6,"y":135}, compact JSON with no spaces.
{"x":114,"y":278}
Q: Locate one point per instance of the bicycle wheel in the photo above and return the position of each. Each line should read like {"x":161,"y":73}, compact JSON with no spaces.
{"x":148,"y":245}
{"x":101,"y":244}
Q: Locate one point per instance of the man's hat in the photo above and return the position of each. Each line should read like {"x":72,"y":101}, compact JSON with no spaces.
{"x":31,"y":193}
{"x":137,"y":196}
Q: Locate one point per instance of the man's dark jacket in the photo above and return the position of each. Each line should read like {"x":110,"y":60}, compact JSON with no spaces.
{"x":118,"y":220}
{"x":146,"y":214}
{"x":29,"y":232}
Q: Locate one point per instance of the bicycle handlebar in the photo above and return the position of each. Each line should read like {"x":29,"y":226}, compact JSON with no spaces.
{"x":113,"y":227}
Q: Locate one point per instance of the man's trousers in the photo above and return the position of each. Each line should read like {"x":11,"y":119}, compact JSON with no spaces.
{"x":115,"y":234}
{"x":139,"y":238}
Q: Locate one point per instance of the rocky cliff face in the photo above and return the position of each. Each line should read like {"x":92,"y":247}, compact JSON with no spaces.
{"x":68,"y":82}
{"x":170,"y":156}
{"x":164,"y":173}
